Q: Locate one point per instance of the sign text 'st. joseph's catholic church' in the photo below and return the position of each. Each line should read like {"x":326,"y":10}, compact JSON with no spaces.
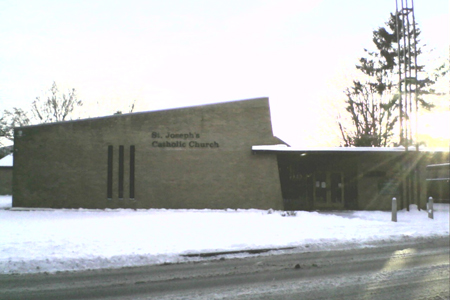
{"x":181,"y":140}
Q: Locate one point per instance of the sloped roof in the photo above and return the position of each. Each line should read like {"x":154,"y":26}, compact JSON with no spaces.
{"x":7,"y":161}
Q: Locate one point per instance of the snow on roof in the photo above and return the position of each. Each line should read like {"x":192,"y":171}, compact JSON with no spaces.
{"x":439,"y":165}
{"x":285,"y":148}
{"x":7,"y":161}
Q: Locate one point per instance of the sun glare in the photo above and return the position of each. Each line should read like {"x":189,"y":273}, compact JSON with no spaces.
{"x":434,"y":129}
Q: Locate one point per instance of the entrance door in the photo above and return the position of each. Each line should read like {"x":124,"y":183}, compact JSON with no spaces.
{"x":320,"y":187}
{"x":337,"y":188}
{"x":329,"y":190}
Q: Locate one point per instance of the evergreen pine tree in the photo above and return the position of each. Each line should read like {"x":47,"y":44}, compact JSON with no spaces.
{"x":373,"y":100}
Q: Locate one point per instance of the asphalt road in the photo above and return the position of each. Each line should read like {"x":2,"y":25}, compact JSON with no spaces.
{"x":412,"y":270}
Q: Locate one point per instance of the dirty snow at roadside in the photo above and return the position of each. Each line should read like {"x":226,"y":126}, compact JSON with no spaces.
{"x":81,"y":239}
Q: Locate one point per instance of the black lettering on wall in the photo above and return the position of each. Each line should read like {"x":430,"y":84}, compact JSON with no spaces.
{"x":110,"y":173}
{"x":132,"y":151}
{"x":121,"y":169}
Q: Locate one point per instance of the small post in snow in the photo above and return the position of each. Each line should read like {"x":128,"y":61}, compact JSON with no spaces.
{"x":394,"y":209}
{"x":430,"y":208}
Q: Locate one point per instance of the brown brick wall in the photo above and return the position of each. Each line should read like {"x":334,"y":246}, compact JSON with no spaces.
{"x":66,"y":164}
{"x":6,"y":174}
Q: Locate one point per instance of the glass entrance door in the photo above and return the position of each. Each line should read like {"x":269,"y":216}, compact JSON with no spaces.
{"x":337,"y":188}
{"x":329,"y":190}
{"x":320,"y":188}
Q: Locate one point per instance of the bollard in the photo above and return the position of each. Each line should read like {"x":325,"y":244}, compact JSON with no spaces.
{"x":394,"y":209}
{"x":430,"y":208}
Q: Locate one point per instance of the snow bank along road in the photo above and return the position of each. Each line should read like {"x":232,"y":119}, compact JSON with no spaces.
{"x":400,"y":270}
{"x":35,"y":241}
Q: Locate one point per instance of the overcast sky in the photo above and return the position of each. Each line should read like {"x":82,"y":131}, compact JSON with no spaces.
{"x":174,"y":53}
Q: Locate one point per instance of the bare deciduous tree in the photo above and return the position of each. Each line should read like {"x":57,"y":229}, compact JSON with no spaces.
{"x":10,"y":119}
{"x":57,"y":107}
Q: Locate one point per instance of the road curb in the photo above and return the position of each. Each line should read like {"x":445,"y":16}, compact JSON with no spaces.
{"x":249,"y":251}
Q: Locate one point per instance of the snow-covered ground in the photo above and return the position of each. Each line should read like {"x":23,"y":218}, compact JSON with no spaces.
{"x":80,"y":239}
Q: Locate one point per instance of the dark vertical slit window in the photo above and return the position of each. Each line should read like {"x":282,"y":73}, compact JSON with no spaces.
{"x":121,"y":161}
{"x":132,"y":150}
{"x":110,"y":173}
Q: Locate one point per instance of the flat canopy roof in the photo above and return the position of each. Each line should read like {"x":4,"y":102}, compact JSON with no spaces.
{"x":284,"y":149}
{"x":439,"y":165}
